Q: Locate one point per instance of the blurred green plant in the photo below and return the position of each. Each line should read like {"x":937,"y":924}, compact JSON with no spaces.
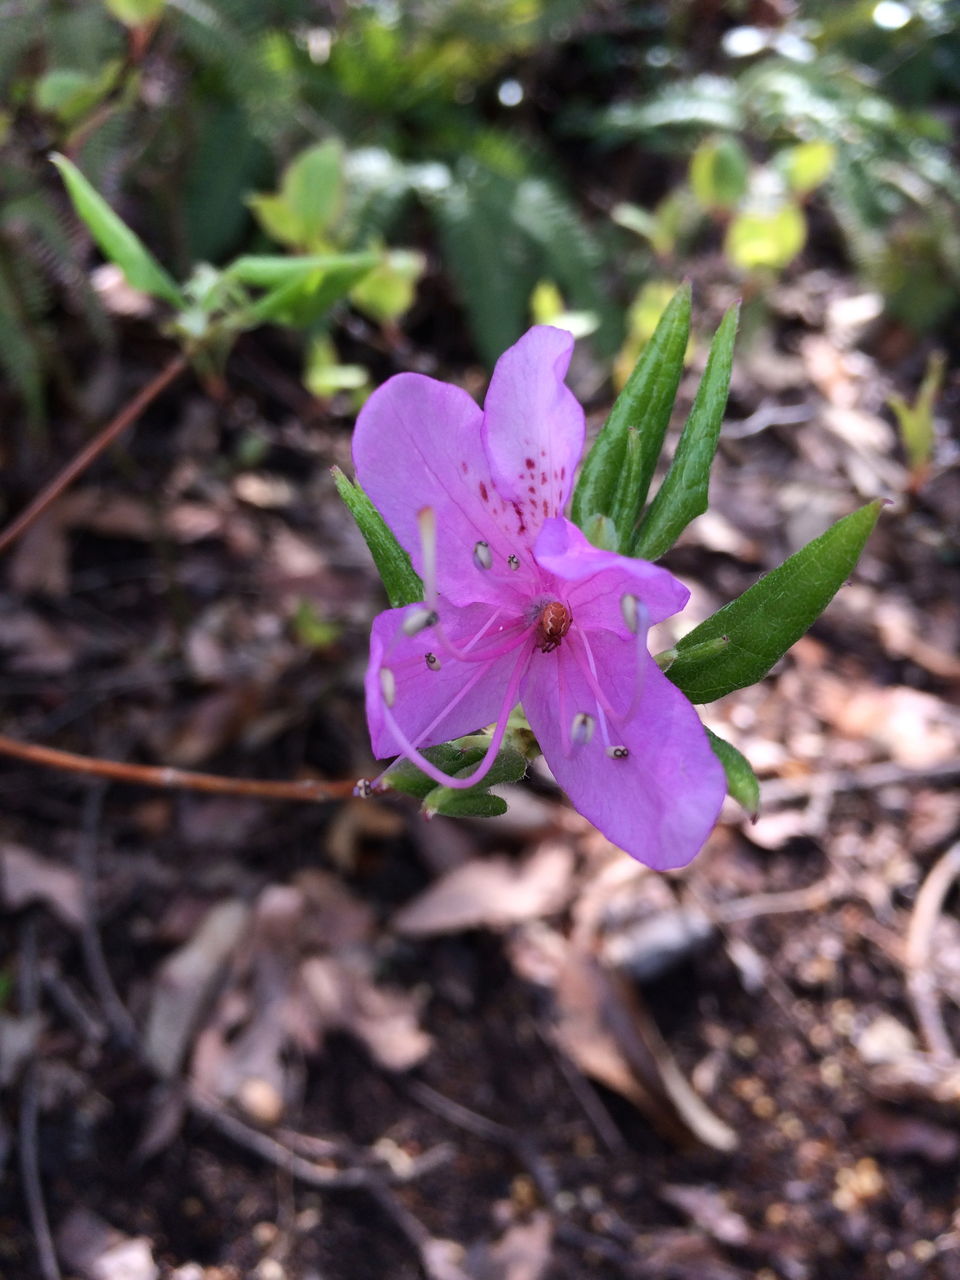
{"x":885,"y":172}
{"x":916,"y":421}
{"x":214,"y":306}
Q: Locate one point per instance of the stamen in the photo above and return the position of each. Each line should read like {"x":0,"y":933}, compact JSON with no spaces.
{"x":363,"y":789}
{"x":581,"y":731}
{"x":418,"y":619}
{"x":482,"y":556}
{"x":618,"y":753}
{"x":629,"y":607}
{"x":388,"y":686}
{"x":427,"y":523}
{"x":483,"y":768}
{"x":432,"y":661}
{"x":513,"y":562}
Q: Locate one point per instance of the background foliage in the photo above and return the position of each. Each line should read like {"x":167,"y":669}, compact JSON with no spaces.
{"x":520,"y":157}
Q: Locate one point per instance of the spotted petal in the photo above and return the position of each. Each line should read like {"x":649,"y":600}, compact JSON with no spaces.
{"x":533,"y":427}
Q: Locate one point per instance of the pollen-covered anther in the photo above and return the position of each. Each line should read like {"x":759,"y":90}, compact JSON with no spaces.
{"x":629,"y":608}
{"x":363,"y":788}
{"x":618,"y":753}
{"x":581,"y":731}
{"x":388,"y":686}
{"x":482,"y":556}
{"x":513,"y":562}
{"x":418,"y":620}
{"x":432,"y":661}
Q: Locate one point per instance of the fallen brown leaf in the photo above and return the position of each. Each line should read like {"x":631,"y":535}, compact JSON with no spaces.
{"x":492,"y":893}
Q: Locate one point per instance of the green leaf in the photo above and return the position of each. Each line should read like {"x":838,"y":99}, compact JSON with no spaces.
{"x":509,"y":766}
{"x":683,"y":494}
{"x":807,"y":165}
{"x":387,"y":291}
{"x":464,"y":804}
{"x":301,"y":289}
{"x":762,"y":624}
{"x":401,"y":583}
{"x":916,"y":420}
{"x":310,"y":198}
{"x":766,"y":239}
{"x":135,"y":13}
{"x":115,"y":239}
{"x":450,"y":757}
{"x":741,"y":780}
{"x":719,"y":169}
{"x":618,"y":469}
{"x":268,"y":270}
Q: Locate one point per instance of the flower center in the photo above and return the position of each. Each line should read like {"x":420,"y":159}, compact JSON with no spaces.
{"x":553,"y":623}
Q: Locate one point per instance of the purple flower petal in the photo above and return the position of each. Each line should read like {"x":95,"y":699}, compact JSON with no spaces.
{"x":600,"y":579}
{"x":417,"y":444}
{"x":533,"y":427}
{"x":435,"y":701}
{"x":659,"y":802}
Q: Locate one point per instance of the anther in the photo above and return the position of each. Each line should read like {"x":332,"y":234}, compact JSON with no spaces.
{"x":363,"y":789}
{"x":432,"y":661}
{"x":513,"y":562}
{"x":482,"y":556}
{"x":628,"y":607}
{"x":581,"y":731}
{"x":388,"y":686}
{"x":418,"y":620}
{"x":618,"y":753}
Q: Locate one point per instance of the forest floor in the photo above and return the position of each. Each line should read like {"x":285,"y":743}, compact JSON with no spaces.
{"x":330,"y":1042}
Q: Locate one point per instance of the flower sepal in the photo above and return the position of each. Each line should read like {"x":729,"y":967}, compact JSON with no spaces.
{"x":458,"y":759}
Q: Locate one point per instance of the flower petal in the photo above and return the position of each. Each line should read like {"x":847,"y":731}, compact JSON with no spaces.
{"x":600,"y":579}
{"x":417,"y":444}
{"x":660,"y":802}
{"x":432,"y":703}
{"x":533,"y":427}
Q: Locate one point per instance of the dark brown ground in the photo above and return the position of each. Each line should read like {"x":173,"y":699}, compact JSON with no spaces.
{"x":769,"y":1100}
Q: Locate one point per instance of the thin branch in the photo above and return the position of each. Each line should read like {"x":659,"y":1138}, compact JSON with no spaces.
{"x":921,"y":981}
{"x":173,"y":779}
{"x":91,"y":451}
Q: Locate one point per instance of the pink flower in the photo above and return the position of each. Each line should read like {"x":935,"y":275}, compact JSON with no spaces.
{"x":519,"y":606}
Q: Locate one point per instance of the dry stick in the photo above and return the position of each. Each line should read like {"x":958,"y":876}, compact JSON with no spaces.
{"x":90,"y":452}
{"x":174,"y":779}
{"x":921,"y":982}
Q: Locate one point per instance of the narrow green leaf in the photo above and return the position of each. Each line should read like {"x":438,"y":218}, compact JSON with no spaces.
{"x":268,"y":270}
{"x":509,"y":766}
{"x":617,"y":471}
{"x":762,"y":624}
{"x":115,"y":239}
{"x":741,"y":780}
{"x":464,"y":804}
{"x":401,"y":583}
{"x":308,"y":294}
{"x":683,"y":494}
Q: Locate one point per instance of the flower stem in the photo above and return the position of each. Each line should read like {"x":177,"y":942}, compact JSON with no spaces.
{"x":174,"y":779}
